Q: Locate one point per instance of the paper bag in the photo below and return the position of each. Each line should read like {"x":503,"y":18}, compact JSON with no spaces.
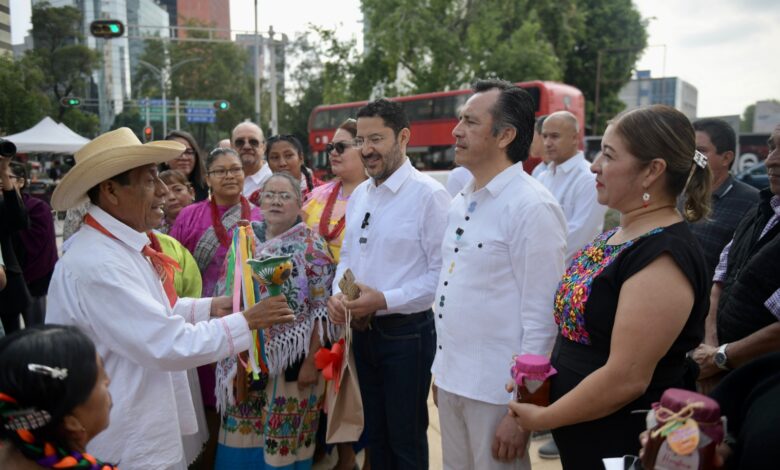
{"x":342,"y":402}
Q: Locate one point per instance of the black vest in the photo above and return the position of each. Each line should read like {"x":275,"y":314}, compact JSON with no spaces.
{"x":753,"y":276}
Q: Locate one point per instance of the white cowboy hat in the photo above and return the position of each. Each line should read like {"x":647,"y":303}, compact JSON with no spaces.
{"x":106,"y":156}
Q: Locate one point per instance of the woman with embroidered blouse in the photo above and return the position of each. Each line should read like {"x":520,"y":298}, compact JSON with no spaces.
{"x":54,"y":399}
{"x":633,"y":302}
{"x":272,"y":422}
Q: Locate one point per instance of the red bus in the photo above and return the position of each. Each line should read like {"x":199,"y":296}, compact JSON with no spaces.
{"x":433,"y":116}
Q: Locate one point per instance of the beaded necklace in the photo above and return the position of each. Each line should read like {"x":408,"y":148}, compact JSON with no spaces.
{"x":327,"y":211}
{"x":219,"y":229}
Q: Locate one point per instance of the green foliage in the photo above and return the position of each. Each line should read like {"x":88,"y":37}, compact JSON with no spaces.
{"x":748,"y":116}
{"x":446,"y":44}
{"x":65,"y":63}
{"x":22,"y":103}
{"x":615,"y":28}
{"x":437,"y":45}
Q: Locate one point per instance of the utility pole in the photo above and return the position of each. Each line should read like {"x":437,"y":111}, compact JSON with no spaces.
{"x":164,"y":75}
{"x":257,"y":71}
{"x":176,"y":104}
{"x":272,"y":58}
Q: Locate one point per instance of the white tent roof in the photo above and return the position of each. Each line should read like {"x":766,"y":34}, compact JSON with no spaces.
{"x":47,"y":136}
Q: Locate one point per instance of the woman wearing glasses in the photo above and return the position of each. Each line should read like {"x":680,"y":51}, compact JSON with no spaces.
{"x":324,"y":211}
{"x":284,"y":153}
{"x":272,"y":422}
{"x":206,"y":227}
{"x":189,"y":162}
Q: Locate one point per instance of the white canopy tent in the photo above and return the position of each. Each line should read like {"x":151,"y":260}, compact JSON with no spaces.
{"x":47,"y":136}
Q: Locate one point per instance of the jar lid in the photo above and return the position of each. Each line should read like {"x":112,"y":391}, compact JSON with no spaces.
{"x":675,"y":399}
{"x":532,"y":366}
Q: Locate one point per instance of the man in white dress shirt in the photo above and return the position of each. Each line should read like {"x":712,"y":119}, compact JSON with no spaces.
{"x":109,"y":285}
{"x":569,"y":179}
{"x":248,"y":141}
{"x":394,"y":226}
{"x":502,"y":258}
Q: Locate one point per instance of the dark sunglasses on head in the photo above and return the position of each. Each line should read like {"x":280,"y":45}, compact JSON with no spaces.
{"x":253,"y":142}
{"x":339,"y":147}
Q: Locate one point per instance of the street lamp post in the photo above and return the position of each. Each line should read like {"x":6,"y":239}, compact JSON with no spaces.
{"x":164,"y":75}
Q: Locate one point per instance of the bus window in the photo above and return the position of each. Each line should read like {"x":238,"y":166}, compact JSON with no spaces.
{"x":419,"y":110}
{"x":535,"y":95}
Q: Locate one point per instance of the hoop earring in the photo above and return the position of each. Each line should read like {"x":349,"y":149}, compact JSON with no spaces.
{"x":645,"y":199}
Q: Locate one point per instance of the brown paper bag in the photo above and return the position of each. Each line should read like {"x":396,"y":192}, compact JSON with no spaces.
{"x":345,"y":407}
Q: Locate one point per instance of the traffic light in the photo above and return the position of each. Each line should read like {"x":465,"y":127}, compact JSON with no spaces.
{"x":222,"y":105}
{"x":148,"y":134}
{"x":107,"y":29}
{"x":70,"y":102}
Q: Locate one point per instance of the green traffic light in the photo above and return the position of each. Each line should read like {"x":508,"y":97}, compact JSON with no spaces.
{"x":223,"y":105}
{"x":114,"y":28}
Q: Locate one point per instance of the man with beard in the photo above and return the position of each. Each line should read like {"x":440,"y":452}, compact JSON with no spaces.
{"x":248,"y":141}
{"x":394,"y":227}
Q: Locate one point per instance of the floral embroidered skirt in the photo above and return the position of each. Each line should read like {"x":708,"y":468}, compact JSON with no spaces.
{"x":273,"y":428}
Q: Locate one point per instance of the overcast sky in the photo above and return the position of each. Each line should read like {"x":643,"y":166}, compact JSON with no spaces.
{"x":727,"y":49}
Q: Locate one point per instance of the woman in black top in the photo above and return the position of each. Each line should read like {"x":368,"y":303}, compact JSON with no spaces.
{"x":13,"y":217}
{"x":633,"y":302}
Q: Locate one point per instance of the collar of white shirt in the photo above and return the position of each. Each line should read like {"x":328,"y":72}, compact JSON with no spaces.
{"x":394,"y":182}
{"x":496,"y":185}
{"x":124,"y":233}
{"x":569,"y":164}
{"x":261,"y":173}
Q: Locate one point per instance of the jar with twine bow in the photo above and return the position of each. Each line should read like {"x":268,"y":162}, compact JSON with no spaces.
{"x":685,"y":428}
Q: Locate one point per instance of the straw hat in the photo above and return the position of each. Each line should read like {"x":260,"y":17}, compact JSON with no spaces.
{"x":106,"y":156}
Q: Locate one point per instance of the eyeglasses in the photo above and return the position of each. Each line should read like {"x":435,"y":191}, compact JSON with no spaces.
{"x":372,"y":140}
{"x":252,"y":142}
{"x":339,"y":147}
{"x":271,"y":195}
{"x":222,"y":172}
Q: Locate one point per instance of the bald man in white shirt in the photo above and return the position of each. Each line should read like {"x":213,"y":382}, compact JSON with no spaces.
{"x":502,"y":258}
{"x":569,"y":179}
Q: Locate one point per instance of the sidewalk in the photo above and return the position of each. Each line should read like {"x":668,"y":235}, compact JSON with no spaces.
{"x":434,"y":445}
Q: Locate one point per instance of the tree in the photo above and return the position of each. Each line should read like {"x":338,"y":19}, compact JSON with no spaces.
{"x":445,"y":44}
{"x":748,"y":116}
{"x":615,"y":28}
{"x":22,"y":103}
{"x":66,"y":63}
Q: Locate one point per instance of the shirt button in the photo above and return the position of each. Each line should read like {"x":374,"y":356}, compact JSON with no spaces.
{"x":440,"y":315}
{"x":446,"y":283}
{"x":456,"y":250}
{"x":467,"y":217}
{"x":440,"y":346}
{"x":479,"y":246}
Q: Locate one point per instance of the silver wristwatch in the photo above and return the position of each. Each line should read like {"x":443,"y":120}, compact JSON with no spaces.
{"x":721,"y":359}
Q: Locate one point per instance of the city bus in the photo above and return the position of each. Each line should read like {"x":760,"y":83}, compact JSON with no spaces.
{"x":432,"y":117}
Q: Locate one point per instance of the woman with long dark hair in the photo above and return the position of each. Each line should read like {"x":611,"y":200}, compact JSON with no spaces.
{"x":54,"y":399}
{"x":190,"y":162}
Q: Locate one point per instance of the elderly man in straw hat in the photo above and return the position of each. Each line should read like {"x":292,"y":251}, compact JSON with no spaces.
{"x":118,"y":289}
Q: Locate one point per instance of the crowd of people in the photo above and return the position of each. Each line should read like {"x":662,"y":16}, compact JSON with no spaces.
{"x":143,"y":359}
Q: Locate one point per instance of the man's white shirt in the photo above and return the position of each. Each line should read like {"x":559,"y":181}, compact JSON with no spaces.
{"x":502,"y":259}
{"x":254,"y":182}
{"x":108,"y":289}
{"x":574,"y":186}
{"x":398,"y":250}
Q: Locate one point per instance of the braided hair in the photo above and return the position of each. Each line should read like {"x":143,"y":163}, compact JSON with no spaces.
{"x":46,"y":371}
{"x":292,"y":140}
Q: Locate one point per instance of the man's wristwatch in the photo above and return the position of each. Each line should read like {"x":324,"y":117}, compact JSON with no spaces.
{"x":721,"y":359}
